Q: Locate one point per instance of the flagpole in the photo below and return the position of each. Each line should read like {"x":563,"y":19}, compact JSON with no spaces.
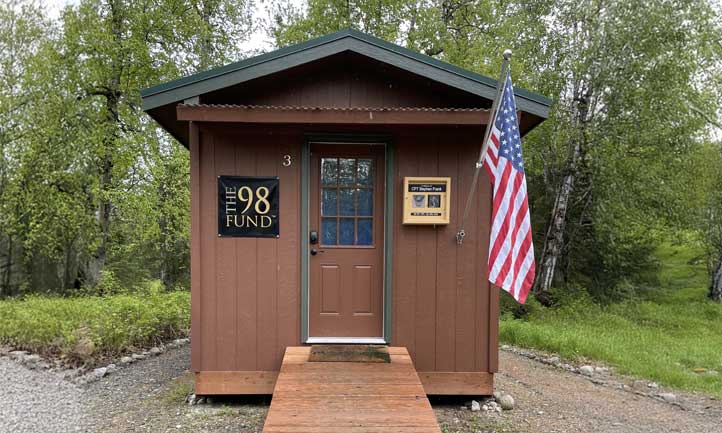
{"x":485,"y":144}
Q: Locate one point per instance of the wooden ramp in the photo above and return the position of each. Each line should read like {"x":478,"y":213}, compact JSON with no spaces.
{"x":349,"y":397}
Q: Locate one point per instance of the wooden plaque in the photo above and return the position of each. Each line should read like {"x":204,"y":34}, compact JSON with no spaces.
{"x":426,"y":200}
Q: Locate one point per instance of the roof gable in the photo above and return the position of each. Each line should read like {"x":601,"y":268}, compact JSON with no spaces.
{"x":329,"y":45}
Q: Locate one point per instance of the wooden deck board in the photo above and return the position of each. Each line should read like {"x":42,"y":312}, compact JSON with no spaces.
{"x":349,"y":397}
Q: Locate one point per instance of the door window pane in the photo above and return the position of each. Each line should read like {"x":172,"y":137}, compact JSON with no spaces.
{"x":346,"y":231}
{"x":365,"y":172}
{"x":365,"y":202}
{"x":328,"y":231}
{"x":365,"y":231}
{"x":348,"y":205}
{"x":347,"y":201}
{"x":347,"y":172}
{"x":329,"y":171}
{"x":329,"y":202}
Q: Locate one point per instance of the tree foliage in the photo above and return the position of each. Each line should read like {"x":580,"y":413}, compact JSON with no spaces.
{"x":92,"y":189}
{"x":634,"y":85}
{"x":94,"y":194}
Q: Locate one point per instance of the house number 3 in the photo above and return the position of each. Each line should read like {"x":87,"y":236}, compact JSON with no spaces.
{"x":287,"y":160}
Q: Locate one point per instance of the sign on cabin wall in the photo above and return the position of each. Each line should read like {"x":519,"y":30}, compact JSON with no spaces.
{"x":426,"y":200}
{"x":248,"y":206}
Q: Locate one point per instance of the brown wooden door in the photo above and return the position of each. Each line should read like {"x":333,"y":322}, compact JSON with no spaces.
{"x":346,"y":263}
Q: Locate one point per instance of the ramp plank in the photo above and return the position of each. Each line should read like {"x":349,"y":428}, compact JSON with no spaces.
{"x":344,"y":397}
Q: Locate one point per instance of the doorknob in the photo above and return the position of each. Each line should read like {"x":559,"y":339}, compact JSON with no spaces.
{"x":314,"y":251}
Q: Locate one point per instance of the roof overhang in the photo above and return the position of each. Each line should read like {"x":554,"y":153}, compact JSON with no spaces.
{"x":160,"y":100}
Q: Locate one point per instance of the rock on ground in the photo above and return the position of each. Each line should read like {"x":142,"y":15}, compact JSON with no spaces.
{"x":668,"y":397}
{"x":586,"y":370}
{"x":506,"y":402}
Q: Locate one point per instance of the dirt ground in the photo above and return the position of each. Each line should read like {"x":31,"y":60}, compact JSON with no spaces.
{"x":551,"y":400}
{"x":149,"y":397}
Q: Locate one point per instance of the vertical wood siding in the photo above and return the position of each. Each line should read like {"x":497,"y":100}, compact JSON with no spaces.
{"x":444,"y":311}
{"x":246,"y":291}
{"x":249,"y":292}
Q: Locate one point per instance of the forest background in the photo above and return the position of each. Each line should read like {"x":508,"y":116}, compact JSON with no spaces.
{"x":625,"y":177}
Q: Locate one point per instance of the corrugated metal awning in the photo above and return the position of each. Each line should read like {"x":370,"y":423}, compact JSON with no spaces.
{"x":332,"y":115}
{"x":322,"y":108}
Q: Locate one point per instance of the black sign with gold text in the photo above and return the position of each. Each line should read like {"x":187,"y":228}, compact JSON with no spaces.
{"x":248,"y":206}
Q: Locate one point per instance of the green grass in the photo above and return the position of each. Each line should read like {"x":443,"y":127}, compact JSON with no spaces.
{"x":664,"y":336}
{"x":178,"y":390}
{"x":83,"y":328}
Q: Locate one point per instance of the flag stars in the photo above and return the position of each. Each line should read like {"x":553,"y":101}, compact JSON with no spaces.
{"x":507,"y":129}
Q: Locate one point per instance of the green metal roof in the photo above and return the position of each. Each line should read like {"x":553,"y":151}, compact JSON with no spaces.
{"x":324,"y":46}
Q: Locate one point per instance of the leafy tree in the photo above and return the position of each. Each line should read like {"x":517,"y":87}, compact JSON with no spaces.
{"x":23,"y":33}
{"x":625,"y":78}
{"x":90,"y":187}
{"x":712,"y":218}
{"x":142,"y":177}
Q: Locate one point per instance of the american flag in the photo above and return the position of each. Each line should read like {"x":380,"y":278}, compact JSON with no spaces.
{"x":511,"y":253}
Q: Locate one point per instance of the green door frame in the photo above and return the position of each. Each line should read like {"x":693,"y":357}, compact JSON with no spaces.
{"x":388,"y":220}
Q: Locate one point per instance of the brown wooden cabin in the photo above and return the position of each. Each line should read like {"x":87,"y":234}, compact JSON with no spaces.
{"x":341,"y":121}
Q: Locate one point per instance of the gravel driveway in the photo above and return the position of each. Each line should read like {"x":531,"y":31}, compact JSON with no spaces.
{"x":38,"y":401}
{"x":148,"y":396}
{"x":551,"y":400}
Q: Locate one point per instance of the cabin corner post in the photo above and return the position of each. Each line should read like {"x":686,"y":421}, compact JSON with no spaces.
{"x":304,"y":250}
{"x":195,"y":188}
{"x":494,"y":300}
{"x":493,"y":329}
{"x":389,"y":242}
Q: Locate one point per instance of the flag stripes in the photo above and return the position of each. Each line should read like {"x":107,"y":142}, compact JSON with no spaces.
{"x":511,"y":251}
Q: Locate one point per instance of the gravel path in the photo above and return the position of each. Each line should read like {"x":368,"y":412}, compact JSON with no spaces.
{"x":38,"y":401}
{"x":148,"y":396}
{"x":551,"y":400}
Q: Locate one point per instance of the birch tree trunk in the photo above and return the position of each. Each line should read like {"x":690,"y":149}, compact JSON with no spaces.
{"x":554,"y":240}
{"x":715,"y":288}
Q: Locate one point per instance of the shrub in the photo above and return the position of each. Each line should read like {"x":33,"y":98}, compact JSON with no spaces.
{"x":108,"y":283}
{"x":79,"y":328}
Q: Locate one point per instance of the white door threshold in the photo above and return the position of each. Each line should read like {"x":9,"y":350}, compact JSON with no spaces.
{"x":345,"y":340}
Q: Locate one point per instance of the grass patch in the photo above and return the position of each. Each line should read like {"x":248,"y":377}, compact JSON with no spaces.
{"x":178,"y":390}
{"x":80,"y":329}
{"x":665,"y":336}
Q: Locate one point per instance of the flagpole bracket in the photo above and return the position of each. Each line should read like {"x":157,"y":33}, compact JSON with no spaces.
{"x":479,"y":164}
{"x":460,"y":236}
